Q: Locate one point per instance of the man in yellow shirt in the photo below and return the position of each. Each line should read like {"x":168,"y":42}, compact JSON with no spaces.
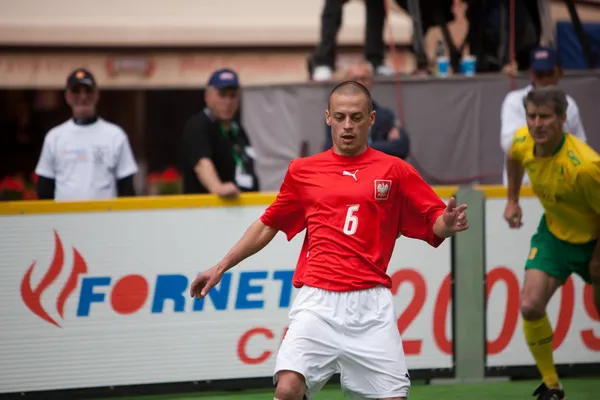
{"x":565,"y":176}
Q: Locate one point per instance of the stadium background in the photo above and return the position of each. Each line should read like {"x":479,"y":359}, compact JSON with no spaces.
{"x":152,"y":64}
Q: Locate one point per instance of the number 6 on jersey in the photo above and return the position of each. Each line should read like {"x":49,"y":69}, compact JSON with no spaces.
{"x":351,"y":223}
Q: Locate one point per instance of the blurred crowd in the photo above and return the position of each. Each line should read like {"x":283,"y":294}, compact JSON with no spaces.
{"x":85,"y":156}
{"x":487,"y":37}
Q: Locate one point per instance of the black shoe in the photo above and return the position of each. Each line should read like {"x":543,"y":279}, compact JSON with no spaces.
{"x":543,"y":393}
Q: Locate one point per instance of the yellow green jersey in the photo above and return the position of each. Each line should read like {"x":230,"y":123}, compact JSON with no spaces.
{"x":566,"y":183}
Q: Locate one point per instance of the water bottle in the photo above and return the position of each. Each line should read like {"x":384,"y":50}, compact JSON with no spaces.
{"x":468,"y":64}
{"x":442,"y":60}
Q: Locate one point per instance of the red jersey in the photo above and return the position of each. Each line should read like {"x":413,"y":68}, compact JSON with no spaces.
{"x":354,"y":209}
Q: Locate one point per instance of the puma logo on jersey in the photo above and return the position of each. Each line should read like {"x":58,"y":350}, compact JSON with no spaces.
{"x":346,"y":173}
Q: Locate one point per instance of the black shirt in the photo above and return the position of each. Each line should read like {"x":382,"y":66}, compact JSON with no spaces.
{"x":203,"y":137}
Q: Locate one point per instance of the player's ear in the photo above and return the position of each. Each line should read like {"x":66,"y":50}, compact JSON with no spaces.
{"x":327,"y":117}
{"x":372,"y":118}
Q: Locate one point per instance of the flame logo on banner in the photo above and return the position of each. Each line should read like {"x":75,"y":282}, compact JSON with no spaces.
{"x":32,"y":297}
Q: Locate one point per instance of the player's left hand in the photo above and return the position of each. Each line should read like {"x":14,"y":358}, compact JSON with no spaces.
{"x":205,"y":281}
{"x":455,"y":218}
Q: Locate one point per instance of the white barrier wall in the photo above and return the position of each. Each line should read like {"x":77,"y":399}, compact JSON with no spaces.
{"x":101,"y":298}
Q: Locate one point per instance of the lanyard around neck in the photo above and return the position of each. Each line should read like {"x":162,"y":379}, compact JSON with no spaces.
{"x":232,"y":136}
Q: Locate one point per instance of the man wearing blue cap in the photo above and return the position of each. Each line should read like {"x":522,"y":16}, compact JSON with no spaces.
{"x":216,"y":156}
{"x":544,"y":71}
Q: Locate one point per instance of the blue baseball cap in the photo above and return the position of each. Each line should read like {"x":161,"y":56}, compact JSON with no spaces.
{"x":543,"y":59}
{"x":224,"y":78}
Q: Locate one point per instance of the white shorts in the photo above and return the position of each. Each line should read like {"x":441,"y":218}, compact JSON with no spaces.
{"x":354,"y":334}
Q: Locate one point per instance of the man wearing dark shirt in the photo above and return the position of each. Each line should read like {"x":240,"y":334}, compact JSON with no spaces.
{"x":216,"y":156}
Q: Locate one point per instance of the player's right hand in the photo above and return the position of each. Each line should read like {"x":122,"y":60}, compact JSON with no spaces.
{"x":228,"y":190}
{"x":513,"y":215}
{"x":204,"y":282}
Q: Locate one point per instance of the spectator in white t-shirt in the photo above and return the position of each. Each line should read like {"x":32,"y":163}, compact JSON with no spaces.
{"x":544,"y":71}
{"x":86,"y":157}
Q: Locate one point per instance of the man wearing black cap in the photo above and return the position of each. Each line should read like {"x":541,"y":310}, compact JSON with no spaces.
{"x":86,"y":157}
{"x":544,"y":70}
{"x":216,"y":153}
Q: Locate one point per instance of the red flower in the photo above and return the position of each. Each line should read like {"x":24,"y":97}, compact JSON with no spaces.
{"x":11,"y":184}
{"x":170,"y":175}
{"x":34,"y":177}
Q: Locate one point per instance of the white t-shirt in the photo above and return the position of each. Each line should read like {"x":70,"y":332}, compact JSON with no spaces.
{"x":86,"y":160}
{"x":512,"y":117}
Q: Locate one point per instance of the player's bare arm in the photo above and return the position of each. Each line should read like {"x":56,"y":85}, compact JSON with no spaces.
{"x":256,"y":237}
{"x":453,"y":220}
{"x":513,"y":214}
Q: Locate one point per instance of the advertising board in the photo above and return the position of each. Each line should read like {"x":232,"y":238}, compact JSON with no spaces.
{"x":102,"y":299}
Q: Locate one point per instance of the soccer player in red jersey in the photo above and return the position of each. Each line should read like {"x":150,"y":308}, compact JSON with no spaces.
{"x":354,"y":202}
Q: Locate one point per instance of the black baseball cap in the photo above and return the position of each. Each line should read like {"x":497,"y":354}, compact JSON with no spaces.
{"x":81,"y":76}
